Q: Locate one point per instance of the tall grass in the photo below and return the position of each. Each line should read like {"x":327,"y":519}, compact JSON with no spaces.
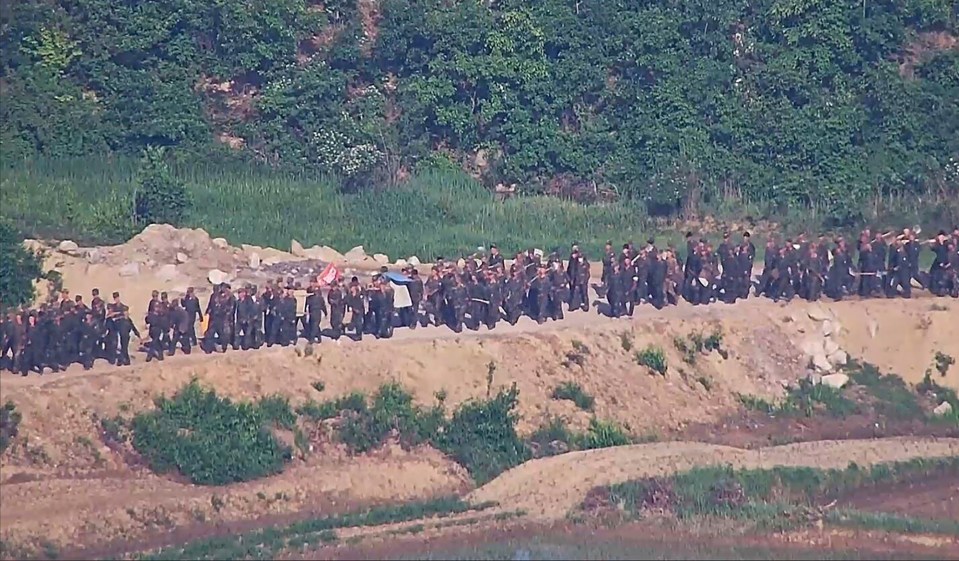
{"x":435,"y":213}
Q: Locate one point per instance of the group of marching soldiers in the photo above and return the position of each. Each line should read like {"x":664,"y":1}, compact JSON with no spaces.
{"x":476,"y":291}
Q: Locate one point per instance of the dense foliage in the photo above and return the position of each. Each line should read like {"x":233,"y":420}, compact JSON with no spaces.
{"x":19,"y":268}
{"x":669,"y":102}
{"x":210,"y":439}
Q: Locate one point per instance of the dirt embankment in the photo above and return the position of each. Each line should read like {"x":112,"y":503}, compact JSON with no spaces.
{"x":61,"y":484}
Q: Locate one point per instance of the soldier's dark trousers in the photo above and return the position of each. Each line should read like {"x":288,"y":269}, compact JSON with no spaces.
{"x":336,"y":322}
{"x":615,"y":301}
{"x":181,"y":338}
{"x":313,"y":332}
{"x":899,"y":283}
{"x":813,"y":288}
{"x":556,"y":307}
{"x":216,"y":335}
{"x":356,"y":324}
{"x":579,"y":297}
{"x":123,"y":352}
{"x":155,"y":348}
{"x":657,"y":295}
{"x":413,"y":312}
{"x":86,"y":354}
{"x":513,"y":312}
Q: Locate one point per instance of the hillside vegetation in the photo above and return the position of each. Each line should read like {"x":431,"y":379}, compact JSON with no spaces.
{"x":846,"y":110}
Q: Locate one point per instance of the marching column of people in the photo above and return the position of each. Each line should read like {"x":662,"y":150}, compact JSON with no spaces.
{"x":478,"y":291}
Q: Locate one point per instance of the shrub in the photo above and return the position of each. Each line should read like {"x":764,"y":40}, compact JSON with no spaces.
{"x":481,"y":436}
{"x":9,"y":425}
{"x":574,"y":392}
{"x":602,"y":434}
{"x":355,"y":402}
{"x":654,"y":358}
{"x":159,"y":198}
{"x":392,"y":412}
{"x":209,"y":439}
{"x":943,"y":362}
{"x":19,"y":268}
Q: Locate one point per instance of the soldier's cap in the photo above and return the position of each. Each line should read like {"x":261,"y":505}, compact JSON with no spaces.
{"x":116,"y":294}
{"x":725,"y":235}
{"x":493,"y":246}
{"x":95,"y":291}
{"x":941,"y":233}
{"x":746,"y":234}
{"x":625,"y":246}
{"x":609,"y":242}
{"x":650,"y":241}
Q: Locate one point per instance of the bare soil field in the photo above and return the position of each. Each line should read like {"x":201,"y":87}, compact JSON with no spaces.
{"x":62,"y":484}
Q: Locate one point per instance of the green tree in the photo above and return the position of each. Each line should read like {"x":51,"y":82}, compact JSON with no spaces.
{"x":160,"y":198}
{"x":19,"y":268}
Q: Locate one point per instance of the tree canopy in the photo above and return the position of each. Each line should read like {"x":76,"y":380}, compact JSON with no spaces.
{"x":795,"y":101}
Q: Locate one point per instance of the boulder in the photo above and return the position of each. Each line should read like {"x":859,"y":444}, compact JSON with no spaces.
{"x":94,"y":256}
{"x":818,"y":313}
{"x":254,"y":259}
{"x":129,"y":270}
{"x":835,"y":380}
{"x":821,"y":363}
{"x":381,"y":258}
{"x":68,"y":246}
{"x":838,"y":358}
{"x":216,"y":276}
{"x":356,"y":254}
{"x":182,"y":257}
{"x":414,"y":261}
{"x":827,"y":328}
{"x":220,"y":243}
{"x":296,"y":248}
{"x":167,"y":272}
{"x":942,"y":409}
{"x":324,"y":253}
{"x":401,"y":263}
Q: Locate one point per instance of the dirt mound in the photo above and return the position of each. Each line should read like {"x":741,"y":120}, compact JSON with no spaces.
{"x":549,"y":488}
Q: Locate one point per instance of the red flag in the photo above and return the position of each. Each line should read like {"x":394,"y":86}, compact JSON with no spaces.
{"x":329,"y":274}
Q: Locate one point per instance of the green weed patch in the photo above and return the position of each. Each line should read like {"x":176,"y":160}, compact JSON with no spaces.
{"x":574,"y":392}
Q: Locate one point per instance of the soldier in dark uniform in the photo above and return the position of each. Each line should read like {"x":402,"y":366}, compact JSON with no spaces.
{"x":609,"y":256}
{"x":868,"y":271}
{"x":374,"y":298}
{"x":458,"y":303}
{"x":247,"y":314}
{"x":356,"y":300}
{"x":657,"y":280}
{"x":539,"y":295}
{"x":515,"y":295}
{"x":694,"y":269}
{"x":479,"y":302}
{"x":387,"y":309}
{"x":898,"y":271}
{"x":415,"y":289}
{"x":88,"y":339}
{"x":315,"y":310}
{"x":495,"y":293}
{"x":769,"y":265}
{"x":156,"y":326}
{"x":191,"y":304}
{"x":939,"y":271}
{"x":337,"y":301}
{"x":31,"y":352}
{"x":577,"y":272}
{"x":616,"y":291}
{"x":287,"y":318}
{"x":433,"y":302}
{"x":181,"y":325}
{"x":124,"y":326}
{"x":813,"y":276}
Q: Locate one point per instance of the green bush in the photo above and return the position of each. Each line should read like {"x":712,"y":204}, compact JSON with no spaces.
{"x":210,"y":439}
{"x":392,"y":412}
{"x":9,"y":424}
{"x":574,"y":392}
{"x":654,"y":358}
{"x":354,"y":402}
{"x":160,"y":198}
{"x":602,"y":434}
{"x":553,"y":430}
{"x":19,"y":268}
{"x":481,"y":436}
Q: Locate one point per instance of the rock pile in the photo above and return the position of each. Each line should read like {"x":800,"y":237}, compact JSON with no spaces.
{"x":822,"y":349}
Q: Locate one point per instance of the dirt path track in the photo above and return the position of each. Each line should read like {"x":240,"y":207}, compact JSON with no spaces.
{"x":547,"y":489}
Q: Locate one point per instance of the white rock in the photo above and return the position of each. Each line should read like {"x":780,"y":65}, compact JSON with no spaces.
{"x":129,"y":270}
{"x":167,"y":272}
{"x":324,"y":253}
{"x":401,"y":263}
{"x":830,"y":347}
{"x":414,"y":261}
{"x":68,"y":246}
{"x":838,"y":358}
{"x":943,"y":409}
{"x":873,"y":328}
{"x":94,"y":256}
{"x":827,"y":328}
{"x":835,"y":380}
{"x":254,"y":260}
{"x":182,"y":257}
{"x":296,"y":248}
{"x":821,"y":363}
{"x":818,"y":313}
{"x":381,"y":258}
{"x":356,"y":254}
{"x":216,"y":276}
{"x":220,"y":243}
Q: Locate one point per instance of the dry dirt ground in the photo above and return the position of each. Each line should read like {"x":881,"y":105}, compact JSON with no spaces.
{"x":61,"y":485}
